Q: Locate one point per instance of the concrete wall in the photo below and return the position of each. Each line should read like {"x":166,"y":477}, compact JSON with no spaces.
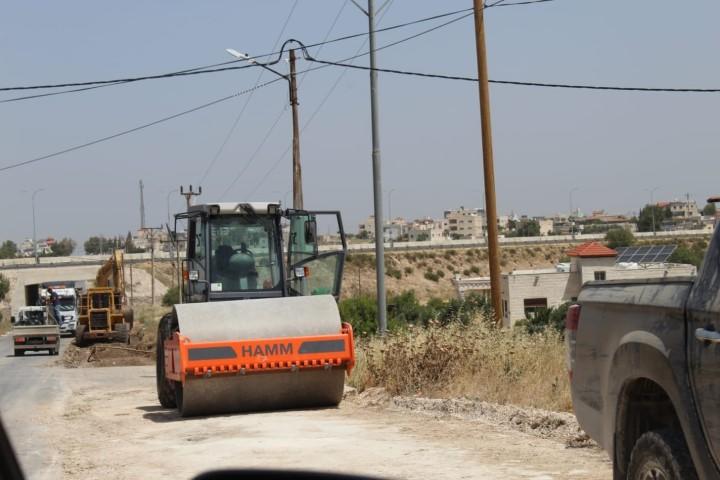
{"x":544,"y":284}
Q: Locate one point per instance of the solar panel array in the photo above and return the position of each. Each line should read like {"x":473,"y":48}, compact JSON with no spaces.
{"x":651,"y":254}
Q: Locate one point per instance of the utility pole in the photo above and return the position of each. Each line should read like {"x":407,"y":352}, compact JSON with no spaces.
{"x":488,"y":166}
{"x":189,"y":194}
{"x":131,"y":283}
{"x":297,"y":169}
{"x":152,"y":262}
{"x":377,"y":170}
{"x":142,"y":205}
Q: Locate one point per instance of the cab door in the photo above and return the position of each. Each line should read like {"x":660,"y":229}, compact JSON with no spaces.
{"x":703,"y":310}
{"x":315,"y":260}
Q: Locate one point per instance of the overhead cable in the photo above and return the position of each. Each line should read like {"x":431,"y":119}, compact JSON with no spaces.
{"x":135,"y":129}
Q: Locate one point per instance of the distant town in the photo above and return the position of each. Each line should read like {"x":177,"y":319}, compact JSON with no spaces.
{"x":471,"y":223}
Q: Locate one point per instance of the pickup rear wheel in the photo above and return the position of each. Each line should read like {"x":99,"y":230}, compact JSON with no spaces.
{"x":661,"y":455}
{"x":19,"y":352}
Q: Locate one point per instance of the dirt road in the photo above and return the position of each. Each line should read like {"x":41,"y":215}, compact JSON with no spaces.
{"x":106,"y":423}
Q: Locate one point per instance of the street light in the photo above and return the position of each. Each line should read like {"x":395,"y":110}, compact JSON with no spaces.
{"x":292,"y":83}
{"x":35,"y":252}
{"x":168,"y":202}
{"x":652,"y":207}
{"x":572,"y":225}
{"x":390,"y":192}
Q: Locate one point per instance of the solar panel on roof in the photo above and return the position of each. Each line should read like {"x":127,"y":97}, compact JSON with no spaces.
{"x":645,"y":254}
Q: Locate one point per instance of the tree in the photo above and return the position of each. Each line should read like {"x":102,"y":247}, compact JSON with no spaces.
{"x":526,"y":228}
{"x":130,"y":245}
{"x":423,"y":237}
{"x":4,"y":286}
{"x":688,"y":256}
{"x":619,"y":237}
{"x":645,"y":219}
{"x":98,"y":245}
{"x":8,"y":249}
{"x":709,"y":210}
{"x":63,"y":248}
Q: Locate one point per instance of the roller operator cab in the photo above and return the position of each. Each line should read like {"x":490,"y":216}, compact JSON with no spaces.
{"x":259,"y":326}
{"x":235,"y":251}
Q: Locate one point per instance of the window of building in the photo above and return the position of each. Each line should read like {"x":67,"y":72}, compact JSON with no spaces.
{"x":505,"y":308}
{"x":533,"y":305}
{"x":600,"y":275}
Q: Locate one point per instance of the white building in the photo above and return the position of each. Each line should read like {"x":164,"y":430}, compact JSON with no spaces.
{"x":465,"y":223}
{"x":525,"y":291}
{"x":427,"y":229}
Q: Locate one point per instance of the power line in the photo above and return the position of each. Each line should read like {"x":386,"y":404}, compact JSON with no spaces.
{"x":212,"y":68}
{"x":519,"y":83}
{"x":319,"y":107}
{"x":135,"y":129}
{"x":247,"y":101}
{"x":252,"y":157}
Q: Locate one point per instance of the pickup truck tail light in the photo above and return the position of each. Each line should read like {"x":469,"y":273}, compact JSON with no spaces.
{"x":51,"y":339}
{"x":19,"y":339}
{"x":572,"y":320}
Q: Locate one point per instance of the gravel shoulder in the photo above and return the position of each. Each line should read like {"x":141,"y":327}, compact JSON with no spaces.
{"x":116,"y":409}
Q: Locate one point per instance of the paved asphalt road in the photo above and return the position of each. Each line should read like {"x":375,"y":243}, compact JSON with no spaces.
{"x":30,"y":390}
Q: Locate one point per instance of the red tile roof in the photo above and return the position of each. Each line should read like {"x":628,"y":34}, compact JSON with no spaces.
{"x":592,"y":249}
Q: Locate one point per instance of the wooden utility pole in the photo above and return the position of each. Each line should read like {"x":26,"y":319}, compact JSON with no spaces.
{"x":297,"y":169}
{"x":488,"y":165}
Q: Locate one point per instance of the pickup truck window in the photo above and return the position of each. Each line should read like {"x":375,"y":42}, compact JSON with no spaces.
{"x":31,"y":318}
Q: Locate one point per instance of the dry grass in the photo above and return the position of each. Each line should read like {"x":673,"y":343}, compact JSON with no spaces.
{"x":480,"y":362}
{"x":147,"y":318}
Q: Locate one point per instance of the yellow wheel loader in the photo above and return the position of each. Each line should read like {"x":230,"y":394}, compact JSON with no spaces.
{"x":259,"y":327}
{"x":103,"y":313}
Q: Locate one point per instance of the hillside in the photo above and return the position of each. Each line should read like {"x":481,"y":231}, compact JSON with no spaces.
{"x":429,"y":273}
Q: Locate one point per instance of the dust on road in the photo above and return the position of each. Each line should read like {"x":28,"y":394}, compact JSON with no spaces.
{"x":114,"y":428}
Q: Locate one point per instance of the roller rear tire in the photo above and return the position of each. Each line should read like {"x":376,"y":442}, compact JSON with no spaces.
{"x":165,"y":388}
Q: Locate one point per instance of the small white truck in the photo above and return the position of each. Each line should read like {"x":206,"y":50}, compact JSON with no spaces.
{"x":34,"y":330}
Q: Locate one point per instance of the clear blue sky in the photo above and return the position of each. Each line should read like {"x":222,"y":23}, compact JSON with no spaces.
{"x":612,"y":146}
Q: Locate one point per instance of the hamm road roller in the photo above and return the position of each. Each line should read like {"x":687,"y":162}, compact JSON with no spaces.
{"x":258,"y":327}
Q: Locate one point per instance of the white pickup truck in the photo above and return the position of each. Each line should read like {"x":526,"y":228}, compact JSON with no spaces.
{"x":34,"y":330}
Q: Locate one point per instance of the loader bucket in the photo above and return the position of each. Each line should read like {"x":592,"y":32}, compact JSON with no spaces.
{"x":251,"y":355}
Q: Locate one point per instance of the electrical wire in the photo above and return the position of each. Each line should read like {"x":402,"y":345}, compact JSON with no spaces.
{"x":252,"y":157}
{"x":211,"y":68}
{"x":135,"y":129}
{"x":220,"y":150}
{"x":108,"y":83}
{"x":317,"y":109}
{"x":519,"y":83}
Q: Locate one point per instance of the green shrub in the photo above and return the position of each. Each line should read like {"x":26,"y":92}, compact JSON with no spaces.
{"x":432,"y":276}
{"x":466,"y":272}
{"x":475,"y":269}
{"x":548,"y":318}
{"x":619,"y":237}
{"x":409,"y":270}
{"x":361,"y":313}
{"x":171,"y":297}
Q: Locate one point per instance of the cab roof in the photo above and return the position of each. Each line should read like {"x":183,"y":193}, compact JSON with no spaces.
{"x":233,"y":208}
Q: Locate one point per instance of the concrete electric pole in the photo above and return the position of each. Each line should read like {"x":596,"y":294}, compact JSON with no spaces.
{"x":189,"y":194}
{"x":488,"y":164}
{"x":377,"y":171}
